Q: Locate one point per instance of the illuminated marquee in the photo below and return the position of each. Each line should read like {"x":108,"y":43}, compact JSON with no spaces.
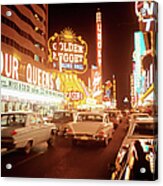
{"x":68,"y":52}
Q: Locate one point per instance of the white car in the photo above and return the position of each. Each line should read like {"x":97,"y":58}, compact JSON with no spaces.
{"x":23,"y":130}
{"x":90,"y":126}
{"x":139,"y":117}
{"x":145,"y":134}
{"x":143,"y":129}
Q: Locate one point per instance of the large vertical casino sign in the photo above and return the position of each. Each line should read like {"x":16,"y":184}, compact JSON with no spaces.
{"x":147,"y":13}
{"x":68,"y":52}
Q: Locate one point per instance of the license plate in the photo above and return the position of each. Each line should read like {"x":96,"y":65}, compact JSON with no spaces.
{"x":84,"y":138}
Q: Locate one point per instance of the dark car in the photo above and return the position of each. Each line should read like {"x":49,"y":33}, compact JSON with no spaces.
{"x":137,"y":156}
{"x":61,"y":119}
{"x":138,"y":161}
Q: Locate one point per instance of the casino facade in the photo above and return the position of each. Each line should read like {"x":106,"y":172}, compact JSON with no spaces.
{"x":26,"y":81}
{"x":36,"y":73}
{"x":144,"y":84}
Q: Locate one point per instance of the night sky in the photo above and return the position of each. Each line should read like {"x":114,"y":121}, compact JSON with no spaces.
{"x":119,"y":23}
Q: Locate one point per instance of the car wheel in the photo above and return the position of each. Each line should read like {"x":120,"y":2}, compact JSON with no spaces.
{"x":27,"y":148}
{"x":51,"y":141}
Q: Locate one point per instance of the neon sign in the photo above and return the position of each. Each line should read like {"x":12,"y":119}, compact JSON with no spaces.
{"x":147,"y":14}
{"x":96,"y":81}
{"x":139,"y":51}
{"x":99,"y":38}
{"x":12,"y":68}
{"x":75,"y":95}
{"x":98,"y":74}
{"x":68,"y":52}
{"x":10,"y":85}
{"x":10,"y":65}
{"x":133,"y":97}
{"x":39,"y":77}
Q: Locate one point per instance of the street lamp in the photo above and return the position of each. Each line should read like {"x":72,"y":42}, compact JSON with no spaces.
{"x":126,"y":102}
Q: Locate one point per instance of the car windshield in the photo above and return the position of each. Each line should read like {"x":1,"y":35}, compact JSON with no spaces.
{"x":145,"y":129}
{"x":94,"y":118}
{"x":13,"y":120}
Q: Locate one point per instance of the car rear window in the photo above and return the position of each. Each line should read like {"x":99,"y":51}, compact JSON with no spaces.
{"x":95,"y":118}
{"x":145,"y":129}
{"x":12,"y":120}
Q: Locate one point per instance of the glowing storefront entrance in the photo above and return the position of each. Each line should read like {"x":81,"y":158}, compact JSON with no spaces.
{"x":25,"y":86}
{"x":17,"y":95}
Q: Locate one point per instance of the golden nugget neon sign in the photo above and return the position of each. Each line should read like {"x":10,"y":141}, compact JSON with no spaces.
{"x":68,"y":52}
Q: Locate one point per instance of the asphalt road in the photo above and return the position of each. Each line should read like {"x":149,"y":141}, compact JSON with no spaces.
{"x":82,"y":161}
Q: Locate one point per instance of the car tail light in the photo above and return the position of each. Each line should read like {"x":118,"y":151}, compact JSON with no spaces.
{"x":13,"y":132}
{"x":101,"y":133}
{"x":69,"y":130}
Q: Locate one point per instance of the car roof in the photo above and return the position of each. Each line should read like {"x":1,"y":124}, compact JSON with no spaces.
{"x":113,"y":111}
{"x":139,"y":113}
{"x":61,"y":111}
{"x":17,"y":112}
{"x":140,"y":136}
{"x":92,"y":113}
{"x":150,"y":120}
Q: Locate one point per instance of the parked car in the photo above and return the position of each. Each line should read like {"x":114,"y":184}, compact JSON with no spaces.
{"x":61,"y":118}
{"x":23,"y":130}
{"x":137,"y":157}
{"x":91,"y":126}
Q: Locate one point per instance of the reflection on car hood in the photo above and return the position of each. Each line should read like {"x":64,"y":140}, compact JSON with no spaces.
{"x":86,"y":127}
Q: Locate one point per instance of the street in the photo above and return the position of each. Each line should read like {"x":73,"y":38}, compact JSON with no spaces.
{"x":82,"y":161}
{"x":79,"y":96}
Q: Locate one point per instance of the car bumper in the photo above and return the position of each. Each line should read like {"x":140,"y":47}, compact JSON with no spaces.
{"x":85,"y":137}
{"x":8,"y":143}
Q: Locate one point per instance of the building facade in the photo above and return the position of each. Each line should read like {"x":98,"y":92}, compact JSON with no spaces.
{"x":26,"y":80}
{"x":145,"y":69}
